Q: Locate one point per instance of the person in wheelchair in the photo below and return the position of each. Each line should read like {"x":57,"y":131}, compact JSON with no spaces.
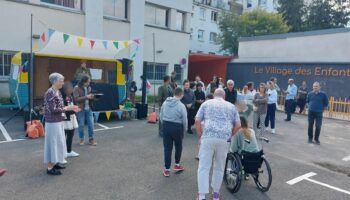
{"x":244,"y":140}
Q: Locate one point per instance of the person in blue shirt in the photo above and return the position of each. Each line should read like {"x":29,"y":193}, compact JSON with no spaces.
{"x":291,"y":93}
{"x":317,"y":101}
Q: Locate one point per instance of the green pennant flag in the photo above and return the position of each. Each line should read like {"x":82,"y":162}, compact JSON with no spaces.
{"x":133,"y":55}
{"x":65,"y":38}
{"x":116,"y":44}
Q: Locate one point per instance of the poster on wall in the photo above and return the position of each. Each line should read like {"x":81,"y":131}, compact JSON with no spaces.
{"x":333,"y":77}
{"x":96,"y":74}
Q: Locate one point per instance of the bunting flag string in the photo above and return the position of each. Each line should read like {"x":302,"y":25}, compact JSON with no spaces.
{"x":65,"y":37}
{"x":43,"y":37}
{"x":80,"y":41}
{"x":105,"y":44}
{"x":116,"y":44}
{"x":108,"y":115}
{"x":36,"y":45}
{"x":96,"y":115}
{"x":92,"y":43}
{"x":120,"y":113}
{"x":51,"y":31}
{"x":126,"y":44}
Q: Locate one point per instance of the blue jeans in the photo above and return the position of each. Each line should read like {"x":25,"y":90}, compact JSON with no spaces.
{"x":85,"y":115}
{"x":270,"y":116}
{"x":312,"y":118}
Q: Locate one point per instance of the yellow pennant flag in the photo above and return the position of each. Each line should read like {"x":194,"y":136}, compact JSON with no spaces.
{"x":108,"y":115}
{"x":80,"y":41}
{"x":36,"y":45}
{"x":126,"y":44}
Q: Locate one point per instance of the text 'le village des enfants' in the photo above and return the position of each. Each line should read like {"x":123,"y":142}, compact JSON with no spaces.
{"x":307,"y":71}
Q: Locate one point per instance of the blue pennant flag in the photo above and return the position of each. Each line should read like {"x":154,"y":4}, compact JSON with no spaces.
{"x":96,"y":114}
{"x":105,"y":44}
{"x":51,"y":31}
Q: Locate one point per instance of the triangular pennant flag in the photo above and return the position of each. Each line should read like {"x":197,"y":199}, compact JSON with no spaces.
{"x":105,"y":44}
{"x":126,"y":44}
{"x":108,"y":115}
{"x":65,"y":38}
{"x":51,"y":31}
{"x":137,"y":41}
{"x":92,"y":43}
{"x":80,"y":41}
{"x":133,"y":55}
{"x":36,"y":45}
{"x":116,"y":44}
{"x":120,"y":113}
{"x":96,"y":114}
{"x":43,"y":37}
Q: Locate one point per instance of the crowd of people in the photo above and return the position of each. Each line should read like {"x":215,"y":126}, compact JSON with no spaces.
{"x":222,"y":113}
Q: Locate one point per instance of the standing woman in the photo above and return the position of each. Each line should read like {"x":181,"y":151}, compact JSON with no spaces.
{"x":55,"y":145}
{"x":70,"y":123}
{"x":133,"y":90}
{"x":271,"y":106}
{"x":260,"y":109}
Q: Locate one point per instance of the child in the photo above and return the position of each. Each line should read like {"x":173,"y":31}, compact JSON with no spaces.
{"x":133,"y":90}
{"x":70,"y":123}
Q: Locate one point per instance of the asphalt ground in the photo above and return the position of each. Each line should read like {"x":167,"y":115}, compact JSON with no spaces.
{"x":128,"y":160}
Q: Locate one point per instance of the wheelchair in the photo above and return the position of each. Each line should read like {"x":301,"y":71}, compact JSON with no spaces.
{"x":245,"y":163}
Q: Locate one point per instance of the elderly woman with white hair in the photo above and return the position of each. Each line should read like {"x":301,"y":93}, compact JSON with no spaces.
{"x":55,"y":150}
{"x":230,"y":92}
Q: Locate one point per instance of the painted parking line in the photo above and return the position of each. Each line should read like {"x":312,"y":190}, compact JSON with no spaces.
{"x":346,"y":158}
{"x":103,"y":126}
{"x":108,"y":128}
{"x":307,"y":178}
{"x":5,"y":133}
{"x":12,"y":141}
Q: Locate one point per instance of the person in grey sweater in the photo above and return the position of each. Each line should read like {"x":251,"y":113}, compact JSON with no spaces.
{"x":260,"y":109}
{"x":173,"y":116}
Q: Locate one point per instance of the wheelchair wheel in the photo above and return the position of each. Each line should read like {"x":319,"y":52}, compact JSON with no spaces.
{"x":263,"y":178}
{"x":233,"y":172}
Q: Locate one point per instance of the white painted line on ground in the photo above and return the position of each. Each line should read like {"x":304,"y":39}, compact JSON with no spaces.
{"x":152,"y":107}
{"x":329,"y":186}
{"x":300,"y":178}
{"x":103,"y":126}
{"x":12,"y":141}
{"x":346,"y":158}
{"x":307,"y":177}
{"x":5,"y":133}
{"x":104,"y":129}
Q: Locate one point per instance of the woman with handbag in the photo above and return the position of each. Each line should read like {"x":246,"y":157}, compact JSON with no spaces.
{"x":70,"y":123}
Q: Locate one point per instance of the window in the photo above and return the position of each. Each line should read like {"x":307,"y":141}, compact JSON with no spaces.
{"x":116,"y":8}
{"x":5,"y":63}
{"x":202,"y":13}
{"x":76,"y":4}
{"x":214,"y":16}
{"x":213,"y":37}
{"x":179,"y":73}
{"x":160,"y":71}
{"x":206,"y":2}
{"x":180,"y":21}
{"x":249,"y":4}
{"x":156,"y":15}
{"x":201,"y":35}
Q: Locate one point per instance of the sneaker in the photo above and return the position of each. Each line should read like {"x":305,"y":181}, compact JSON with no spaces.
{"x":72,"y":154}
{"x":179,"y":168}
{"x":273,"y":131}
{"x":81,"y":142}
{"x":189,"y":131}
{"x":64,"y":161}
{"x":309,"y":141}
{"x":53,"y":172}
{"x":317,"y":142}
{"x":2,"y":171}
{"x":198,"y":198}
{"x":216,"y":196}
{"x":246,"y":177}
{"x":59,"y":166}
{"x":166,"y":173}
{"x":92,"y":142}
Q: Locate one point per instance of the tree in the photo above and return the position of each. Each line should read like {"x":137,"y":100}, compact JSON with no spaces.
{"x":293,"y":13}
{"x":324,"y":14}
{"x":254,"y":23}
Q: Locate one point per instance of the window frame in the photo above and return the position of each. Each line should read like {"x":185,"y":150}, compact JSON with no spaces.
{"x":182,"y":21}
{"x":155,"y":16}
{"x":212,"y":39}
{"x":202,"y":15}
{"x":149,"y":72}
{"x":214,"y":14}
{"x":42,"y":2}
{"x":179,"y":74}
{"x":3,"y":65}
{"x":200,"y":39}
{"x":126,"y":11}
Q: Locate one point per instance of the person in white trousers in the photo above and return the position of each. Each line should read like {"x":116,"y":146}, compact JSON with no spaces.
{"x":221,"y":122}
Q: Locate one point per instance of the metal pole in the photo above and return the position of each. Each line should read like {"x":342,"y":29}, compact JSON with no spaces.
{"x":31,"y":69}
{"x":154,"y":71}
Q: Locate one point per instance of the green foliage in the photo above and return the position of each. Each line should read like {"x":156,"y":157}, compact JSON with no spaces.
{"x":293,"y":13}
{"x":254,"y":23}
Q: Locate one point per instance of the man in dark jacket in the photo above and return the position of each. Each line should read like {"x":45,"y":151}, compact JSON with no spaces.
{"x":230,"y":92}
{"x":189,"y":100}
{"x":164,"y":92}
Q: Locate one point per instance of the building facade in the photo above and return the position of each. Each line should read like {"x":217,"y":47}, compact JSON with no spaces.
{"x":269,"y":5}
{"x":103,"y":19}
{"x":204,"y":25}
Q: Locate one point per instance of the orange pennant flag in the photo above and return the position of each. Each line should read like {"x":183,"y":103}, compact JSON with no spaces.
{"x":126,"y":44}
